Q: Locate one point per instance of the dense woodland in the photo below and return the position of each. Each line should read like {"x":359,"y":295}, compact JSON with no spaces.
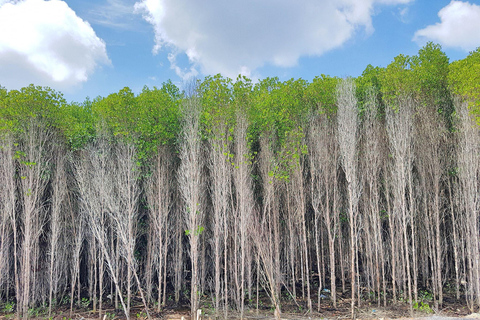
{"x":227,"y":190}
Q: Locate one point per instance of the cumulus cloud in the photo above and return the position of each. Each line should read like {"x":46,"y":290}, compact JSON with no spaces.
{"x":458,"y":27}
{"x":46,"y":43}
{"x":239,"y":36}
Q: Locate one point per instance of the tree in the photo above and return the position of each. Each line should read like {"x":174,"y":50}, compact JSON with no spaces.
{"x":347,"y":119}
{"x":159,"y":199}
{"x":33,"y":161}
{"x":397,"y":87}
{"x":266,"y":234}
{"x":464,"y":80}
{"x":57,"y":252}
{"x":157,"y":112}
{"x":216,"y":96}
{"x":8,"y":223}
{"x":430,"y":70}
{"x":323,"y":157}
{"x":244,"y":206}
{"x":27,"y":119}
{"x":373,"y":151}
{"x":190,"y":178}
{"x":243,"y":167}
{"x":323,"y":160}
{"x":399,"y":129}
{"x":468,"y":170}
{"x":124,"y":213}
{"x":231,"y":182}
{"x":94,"y":177}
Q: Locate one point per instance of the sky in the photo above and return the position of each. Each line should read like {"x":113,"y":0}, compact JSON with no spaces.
{"x":90,"y":48}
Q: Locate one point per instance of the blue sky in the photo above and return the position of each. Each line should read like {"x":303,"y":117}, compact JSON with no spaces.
{"x":97,"y":47}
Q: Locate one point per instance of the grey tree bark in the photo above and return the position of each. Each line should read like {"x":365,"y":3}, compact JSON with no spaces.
{"x":468,"y":172}
{"x":399,"y":129}
{"x":94,"y":172}
{"x":190,"y":184}
{"x":244,"y":205}
{"x":33,"y":163}
{"x":159,"y":198}
{"x":347,"y":119}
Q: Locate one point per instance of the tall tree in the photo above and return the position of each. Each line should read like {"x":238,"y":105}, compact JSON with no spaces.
{"x":124,"y":213}
{"x":94,"y":174}
{"x":57,"y":250}
{"x":323,"y":156}
{"x":399,"y":129}
{"x":8,"y":222}
{"x":244,"y":205}
{"x":373,"y":151}
{"x":431,"y":157}
{"x":33,"y":164}
{"x":159,"y":198}
{"x":469,"y":167}
{"x":266,"y":235}
{"x":347,"y":119}
{"x":190,"y":183}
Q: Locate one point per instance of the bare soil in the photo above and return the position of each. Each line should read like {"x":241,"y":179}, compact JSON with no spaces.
{"x":291,"y":310}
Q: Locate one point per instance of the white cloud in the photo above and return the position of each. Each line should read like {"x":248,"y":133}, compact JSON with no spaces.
{"x":46,"y":43}
{"x":459,"y":27}
{"x":239,"y":36}
{"x":182,"y":73}
{"x":118,"y":14}
{"x":403,"y":14}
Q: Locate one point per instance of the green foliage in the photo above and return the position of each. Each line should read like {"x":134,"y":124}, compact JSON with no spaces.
{"x":218,"y":113}
{"x":33,"y":312}
{"x":343,"y":217}
{"x":289,"y":156}
{"x":421,"y":306}
{"x":397,"y":80}
{"x":3,"y":93}
{"x":158,"y":113}
{"x":197,"y":232}
{"x":148,"y":120}
{"x":423,"y":77}
{"x":261,"y":115}
{"x":9,"y":307}
{"x":77,"y":123}
{"x":279,"y":111}
{"x":274,"y":108}
{"x":370,"y":79}
{"x":278,"y":107}
{"x":430,"y":72}
{"x":425,"y":295}
{"x":119,"y":112}
{"x":17,"y":106}
{"x":215,"y":95}
{"x":321,"y":95}
{"x":241,"y":92}
{"x":85,"y":303}
{"x":464,"y":80}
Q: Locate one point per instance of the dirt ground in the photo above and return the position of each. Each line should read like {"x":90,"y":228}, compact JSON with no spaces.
{"x":291,"y":310}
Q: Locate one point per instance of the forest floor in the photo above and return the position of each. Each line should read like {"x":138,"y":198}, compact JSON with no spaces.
{"x":297,"y":310}
{"x":451,"y":309}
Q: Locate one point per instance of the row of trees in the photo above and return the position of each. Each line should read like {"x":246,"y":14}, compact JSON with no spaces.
{"x":229,"y":190}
